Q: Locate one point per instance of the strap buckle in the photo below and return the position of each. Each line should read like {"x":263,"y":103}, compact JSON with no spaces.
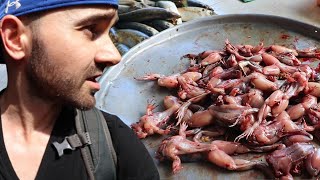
{"x":72,"y":142}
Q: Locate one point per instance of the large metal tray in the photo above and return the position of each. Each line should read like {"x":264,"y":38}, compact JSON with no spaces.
{"x":126,"y":97}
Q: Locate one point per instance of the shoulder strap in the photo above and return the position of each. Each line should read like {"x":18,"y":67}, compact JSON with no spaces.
{"x":99,"y":157}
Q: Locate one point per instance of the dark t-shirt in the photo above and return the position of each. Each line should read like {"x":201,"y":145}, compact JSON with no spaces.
{"x":134,"y":161}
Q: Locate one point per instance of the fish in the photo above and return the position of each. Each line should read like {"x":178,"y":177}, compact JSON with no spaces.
{"x":179,"y":3}
{"x":113,"y":34}
{"x":146,"y":14}
{"x":127,"y":2}
{"x":125,"y":8}
{"x":170,"y":6}
{"x":196,"y":3}
{"x":148,"y":30}
{"x":123,"y":49}
{"x":190,"y":13}
{"x":130,"y":37}
{"x":160,"y":25}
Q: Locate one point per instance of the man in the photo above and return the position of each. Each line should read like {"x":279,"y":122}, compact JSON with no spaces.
{"x":54,"y":50}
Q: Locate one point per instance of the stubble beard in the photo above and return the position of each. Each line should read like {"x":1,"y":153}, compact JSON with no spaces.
{"x":52,"y":83}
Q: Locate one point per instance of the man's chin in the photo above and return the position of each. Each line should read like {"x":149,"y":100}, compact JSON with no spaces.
{"x":83,"y":102}
{"x":87,"y":105}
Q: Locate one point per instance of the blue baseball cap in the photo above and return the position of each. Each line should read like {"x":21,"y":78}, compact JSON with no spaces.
{"x":23,"y":7}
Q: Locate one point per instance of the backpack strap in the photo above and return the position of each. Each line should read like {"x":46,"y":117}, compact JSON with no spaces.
{"x":95,"y":143}
{"x":99,"y":157}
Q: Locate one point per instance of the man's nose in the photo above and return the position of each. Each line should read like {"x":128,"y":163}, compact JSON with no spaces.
{"x":108,"y":54}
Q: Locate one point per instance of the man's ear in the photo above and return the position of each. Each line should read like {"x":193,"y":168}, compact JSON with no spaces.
{"x":14,"y":37}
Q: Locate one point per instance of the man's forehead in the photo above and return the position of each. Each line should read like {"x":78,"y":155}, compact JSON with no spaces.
{"x":90,"y":13}
{"x":81,"y":15}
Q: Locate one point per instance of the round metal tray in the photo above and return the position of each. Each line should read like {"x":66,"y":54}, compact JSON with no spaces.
{"x":126,"y":97}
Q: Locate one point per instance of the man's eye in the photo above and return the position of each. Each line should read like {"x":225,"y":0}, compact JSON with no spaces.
{"x":90,"y":31}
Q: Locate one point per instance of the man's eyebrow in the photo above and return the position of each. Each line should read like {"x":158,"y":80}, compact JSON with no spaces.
{"x":95,"y":17}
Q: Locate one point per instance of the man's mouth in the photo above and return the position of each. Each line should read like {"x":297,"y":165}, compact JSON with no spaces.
{"x":93,"y":81}
{"x":94,"y":78}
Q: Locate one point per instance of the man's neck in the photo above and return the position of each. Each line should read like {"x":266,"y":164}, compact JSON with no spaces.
{"x":27,"y":123}
{"x":27,"y":114}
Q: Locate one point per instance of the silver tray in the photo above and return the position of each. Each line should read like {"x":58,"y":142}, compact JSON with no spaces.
{"x":126,"y":97}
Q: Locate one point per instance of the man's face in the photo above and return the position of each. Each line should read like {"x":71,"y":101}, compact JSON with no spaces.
{"x":70,"y":49}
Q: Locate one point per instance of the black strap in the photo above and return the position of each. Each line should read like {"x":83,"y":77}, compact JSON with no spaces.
{"x":108,"y":138}
{"x":100,"y":157}
{"x":95,"y":143}
{"x":79,"y":140}
{"x":85,"y":151}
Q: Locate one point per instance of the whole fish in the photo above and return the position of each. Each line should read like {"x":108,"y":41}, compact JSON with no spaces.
{"x":148,"y":30}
